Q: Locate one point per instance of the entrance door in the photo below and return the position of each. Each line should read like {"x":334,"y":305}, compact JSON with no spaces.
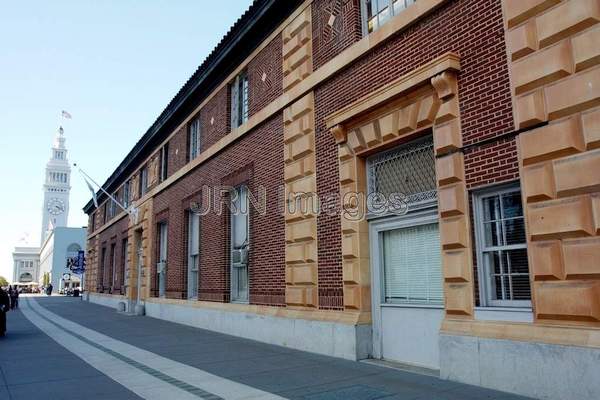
{"x":139,"y":251}
{"x":161,"y":268}
{"x":408,"y":301}
{"x":408,"y":293}
{"x":240,"y":244}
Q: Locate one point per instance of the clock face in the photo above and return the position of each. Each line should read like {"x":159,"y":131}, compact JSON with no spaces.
{"x":56,"y":206}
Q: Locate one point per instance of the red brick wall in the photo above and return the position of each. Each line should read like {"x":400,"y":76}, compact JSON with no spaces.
{"x":178,"y":150}
{"x":491,"y":163}
{"x":268,"y":61}
{"x":471,"y":28}
{"x":330,"y":40}
{"x":261,"y":152}
{"x":217,"y":109}
{"x":114,"y":234}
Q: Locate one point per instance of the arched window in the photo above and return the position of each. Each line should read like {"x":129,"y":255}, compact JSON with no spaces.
{"x":73,"y":248}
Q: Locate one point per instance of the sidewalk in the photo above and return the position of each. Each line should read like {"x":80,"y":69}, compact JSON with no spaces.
{"x":34,"y":366}
{"x":271,"y":369}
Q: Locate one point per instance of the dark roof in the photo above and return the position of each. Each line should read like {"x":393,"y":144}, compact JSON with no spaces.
{"x":246,"y":34}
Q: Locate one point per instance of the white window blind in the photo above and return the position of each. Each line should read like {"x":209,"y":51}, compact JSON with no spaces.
{"x":412,"y":265}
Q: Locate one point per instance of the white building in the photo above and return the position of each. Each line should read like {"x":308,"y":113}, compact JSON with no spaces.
{"x":62,"y":243}
{"x":57,"y":185}
{"x":57,"y":241}
{"x":26,"y":265}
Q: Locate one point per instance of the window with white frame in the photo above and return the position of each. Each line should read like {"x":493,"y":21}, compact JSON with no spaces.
{"x":194,"y":138}
{"x":239,"y":100}
{"x":126,"y":193}
{"x":378,"y":12}
{"x":502,"y":248}
{"x":164,"y":162}
{"x":193,"y":254}
{"x":143,"y":181}
{"x":410,"y":256}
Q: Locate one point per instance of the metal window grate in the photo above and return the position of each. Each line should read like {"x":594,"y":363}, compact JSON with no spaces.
{"x":408,"y":170}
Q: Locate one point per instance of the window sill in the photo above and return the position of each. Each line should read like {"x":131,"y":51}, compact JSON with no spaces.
{"x":424,"y":306}
{"x":504,"y":314}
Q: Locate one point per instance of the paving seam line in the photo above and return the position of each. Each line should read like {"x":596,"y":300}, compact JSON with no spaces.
{"x":155,"y":373}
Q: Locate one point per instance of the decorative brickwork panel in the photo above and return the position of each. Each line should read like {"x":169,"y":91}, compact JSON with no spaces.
{"x":265,"y":76}
{"x":297,"y":50}
{"x":215,"y":118}
{"x":556,"y":81}
{"x":336,"y":25}
{"x":301,"y":218}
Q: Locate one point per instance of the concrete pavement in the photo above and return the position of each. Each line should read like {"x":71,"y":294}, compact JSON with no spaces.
{"x":139,"y":357}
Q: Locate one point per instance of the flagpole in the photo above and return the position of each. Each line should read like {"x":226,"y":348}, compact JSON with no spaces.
{"x":86,"y":176}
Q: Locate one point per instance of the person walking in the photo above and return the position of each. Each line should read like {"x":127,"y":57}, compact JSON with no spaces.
{"x":11,"y":297}
{"x":15,"y":298}
{"x":4,"y":308}
{"x":49,"y":289}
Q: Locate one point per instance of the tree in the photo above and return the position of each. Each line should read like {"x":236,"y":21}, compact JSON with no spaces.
{"x":3,"y":281}
{"x":46,"y":279}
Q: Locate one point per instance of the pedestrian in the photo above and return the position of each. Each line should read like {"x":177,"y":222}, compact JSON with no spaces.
{"x":14,"y":297}
{"x":16,"y":293}
{"x":4,"y":308}
{"x":49,"y":289}
{"x":10,"y":297}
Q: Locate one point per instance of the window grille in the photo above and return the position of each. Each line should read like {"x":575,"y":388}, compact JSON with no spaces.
{"x":408,"y":170}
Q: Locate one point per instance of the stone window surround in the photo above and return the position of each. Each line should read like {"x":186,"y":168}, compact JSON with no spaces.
{"x":423,"y":99}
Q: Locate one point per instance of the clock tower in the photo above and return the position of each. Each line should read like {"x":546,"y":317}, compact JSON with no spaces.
{"x":55,"y":209}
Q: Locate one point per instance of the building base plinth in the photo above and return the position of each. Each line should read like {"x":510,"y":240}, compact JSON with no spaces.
{"x":537,"y":370}
{"x":336,"y":339}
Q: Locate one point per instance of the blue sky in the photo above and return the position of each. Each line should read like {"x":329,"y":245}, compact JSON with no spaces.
{"x":113,"y":64}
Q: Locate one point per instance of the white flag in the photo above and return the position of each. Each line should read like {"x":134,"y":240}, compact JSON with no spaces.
{"x":66,"y":115}
{"x":93,"y":192}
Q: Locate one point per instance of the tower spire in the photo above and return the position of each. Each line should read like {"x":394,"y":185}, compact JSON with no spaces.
{"x":55,"y":208}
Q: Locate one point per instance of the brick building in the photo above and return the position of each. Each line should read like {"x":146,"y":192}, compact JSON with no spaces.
{"x":423,"y":180}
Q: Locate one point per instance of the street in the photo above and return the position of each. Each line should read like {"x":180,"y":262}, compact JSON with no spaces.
{"x":65,"y":348}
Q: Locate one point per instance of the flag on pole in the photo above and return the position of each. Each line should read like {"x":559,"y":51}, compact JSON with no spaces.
{"x":89,"y":185}
{"x":66,"y":115}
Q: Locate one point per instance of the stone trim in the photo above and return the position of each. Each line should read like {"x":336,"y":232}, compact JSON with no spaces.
{"x":301,"y":272}
{"x":402,"y":85}
{"x":381,"y":119}
{"x":525,"y":332}
{"x":555,"y":78}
